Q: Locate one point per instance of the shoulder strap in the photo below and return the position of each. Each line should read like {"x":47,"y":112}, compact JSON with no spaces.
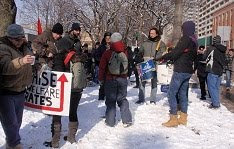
{"x":68,"y":57}
{"x":158,"y":45}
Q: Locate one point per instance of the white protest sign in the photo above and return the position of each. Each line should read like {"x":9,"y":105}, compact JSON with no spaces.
{"x":50,"y":93}
{"x":164,"y":73}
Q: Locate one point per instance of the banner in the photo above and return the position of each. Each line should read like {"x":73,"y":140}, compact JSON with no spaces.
{"x":39,"y":28}
{"x":49,"y":93}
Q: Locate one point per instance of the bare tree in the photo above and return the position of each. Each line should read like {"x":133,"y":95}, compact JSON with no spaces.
{"x":177,"y":21}
{"x":7,"y":14}
{"x":49,"y":11}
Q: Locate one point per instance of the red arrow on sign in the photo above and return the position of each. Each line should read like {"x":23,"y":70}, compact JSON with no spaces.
{"x":62,"y":79}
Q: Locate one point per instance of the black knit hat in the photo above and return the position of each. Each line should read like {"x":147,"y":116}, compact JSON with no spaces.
{"x":75,"y":26}
{"x":58,"y":28}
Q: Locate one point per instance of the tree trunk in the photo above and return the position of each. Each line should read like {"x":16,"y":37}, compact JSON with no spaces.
{"x":7,"y":15}
{"x":177,"y":21}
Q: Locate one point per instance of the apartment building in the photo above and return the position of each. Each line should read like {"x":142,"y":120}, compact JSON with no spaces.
{"x":207,"y":9}
{"x":223,"y":24}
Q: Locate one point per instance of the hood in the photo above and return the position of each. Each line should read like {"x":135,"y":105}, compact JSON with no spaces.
{"x":4,"y":40}
{"x":118,"y":46}
{"x":221,"y":48}
{"x":188,"y":28}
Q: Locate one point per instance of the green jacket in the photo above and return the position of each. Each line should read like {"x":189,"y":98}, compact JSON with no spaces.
{"x":148,"y":49}
{"x":15,"y":75}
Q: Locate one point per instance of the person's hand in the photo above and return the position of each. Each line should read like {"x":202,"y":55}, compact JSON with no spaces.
{"x":28,"y":59}
{"x":50,"y":55}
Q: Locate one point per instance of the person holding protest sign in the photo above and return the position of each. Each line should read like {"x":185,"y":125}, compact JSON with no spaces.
{"x":151,"y":49}
{"x":69,"y":59}
{"x":16,"y":75}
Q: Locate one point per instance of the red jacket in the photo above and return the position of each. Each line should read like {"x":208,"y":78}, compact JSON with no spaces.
{"x":104,"y":73}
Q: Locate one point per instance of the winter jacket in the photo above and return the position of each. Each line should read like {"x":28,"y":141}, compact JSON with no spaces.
{"x":184,"y":55}
{"x":104,"y":73}
{"x":228,"y":61}
{"x":44,"y":44}
{"x":215,"y":59}
{"x":201,"y":66}
{"x":75,"y":66}
{"x":74,"y":43}
{"x":98,"y":53}
{"x":65,"y":45}
{"x":148,"y":49}
{"x":15,"y":75}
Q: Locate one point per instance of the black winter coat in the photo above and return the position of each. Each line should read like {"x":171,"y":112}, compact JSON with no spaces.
{"x":184,"y":55}
{"x":215,"y":59}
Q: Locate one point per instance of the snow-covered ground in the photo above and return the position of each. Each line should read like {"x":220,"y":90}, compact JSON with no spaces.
{"x":206,"y":128}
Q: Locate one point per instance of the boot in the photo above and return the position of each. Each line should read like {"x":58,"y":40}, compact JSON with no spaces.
{"x":71,"y":136}
{"x":56,"y":135}
{"x":172,"y":122}
{"x":18,"y":146}
{"x":183,"y":118}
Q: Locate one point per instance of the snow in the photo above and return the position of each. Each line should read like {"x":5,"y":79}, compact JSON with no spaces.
{"x":206,"y":128}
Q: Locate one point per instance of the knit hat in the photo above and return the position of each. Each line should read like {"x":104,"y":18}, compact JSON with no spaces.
{"x":115,"y":37}
{"x":75,"y":26}
{"x":58,"y":28}
{"x":15,"y":31}
{"x":107,"y":34}
{"x":217,"y":40}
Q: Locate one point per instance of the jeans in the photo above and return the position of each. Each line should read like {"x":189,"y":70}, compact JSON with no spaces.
{"x":117,"y":92}
{"x":153,"y":89}
{"x":228,"y":78}
{"x":213,"y":83}
{"x":11,"y":114}
{"x":178,"y":90}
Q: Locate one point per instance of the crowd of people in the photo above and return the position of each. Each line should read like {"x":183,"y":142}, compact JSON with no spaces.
{"x":110,"y":63}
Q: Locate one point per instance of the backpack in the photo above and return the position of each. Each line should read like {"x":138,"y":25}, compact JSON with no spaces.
{"x":118,"y":63}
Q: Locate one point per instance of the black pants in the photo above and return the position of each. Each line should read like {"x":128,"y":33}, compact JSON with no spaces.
{"x":75,"y":99}
{"x":136,"y":76}
{"x":202,"y":81}
{"x":101,"y":92}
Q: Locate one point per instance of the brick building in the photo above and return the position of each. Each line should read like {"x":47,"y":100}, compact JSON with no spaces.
{"x":223,"y":19}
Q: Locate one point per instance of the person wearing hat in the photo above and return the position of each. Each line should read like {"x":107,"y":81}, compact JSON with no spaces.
{"x":16,"y":75}
{"x":69,"y":44}
{"x":115,"y":85}
{"x":215,"y":59}
{"x":44,"y":45}
{"x":105,"y":45}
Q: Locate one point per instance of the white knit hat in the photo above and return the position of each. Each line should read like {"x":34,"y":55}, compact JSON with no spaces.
{"x":115,"y":37}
